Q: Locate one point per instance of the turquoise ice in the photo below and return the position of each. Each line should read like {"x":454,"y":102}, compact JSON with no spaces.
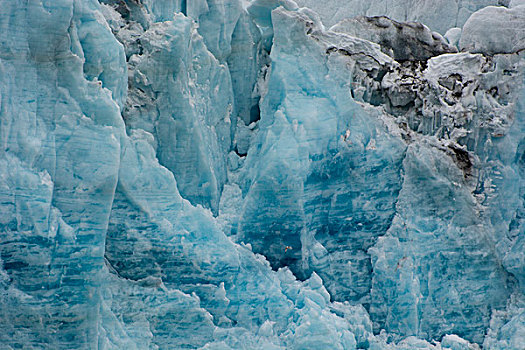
{"x":227,"y":174}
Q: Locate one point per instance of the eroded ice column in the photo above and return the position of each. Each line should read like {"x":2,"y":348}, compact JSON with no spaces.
{"x":311,"y":203}
{"x":182,"y":95}
{"x":62,"y":80}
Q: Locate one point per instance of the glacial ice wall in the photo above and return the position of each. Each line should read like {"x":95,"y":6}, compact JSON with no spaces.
{"x":227,"y":174}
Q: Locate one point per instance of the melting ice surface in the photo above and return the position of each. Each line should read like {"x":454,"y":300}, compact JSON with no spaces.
{"x":265,"y":174}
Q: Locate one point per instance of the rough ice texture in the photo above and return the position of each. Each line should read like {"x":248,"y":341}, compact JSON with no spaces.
{"x":222,"y":174}
{"x":439,"y":15}
{"x":402,"y":41}
{"x":485,"y":29}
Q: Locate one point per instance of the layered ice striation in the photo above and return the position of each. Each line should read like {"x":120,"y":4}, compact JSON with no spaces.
{"x":227,"y":174}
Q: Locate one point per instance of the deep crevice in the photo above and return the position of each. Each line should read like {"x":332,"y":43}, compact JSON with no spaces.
{"x":184,"y":7}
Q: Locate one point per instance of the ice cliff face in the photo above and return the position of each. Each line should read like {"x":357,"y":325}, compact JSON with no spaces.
{"x":226,"y":174}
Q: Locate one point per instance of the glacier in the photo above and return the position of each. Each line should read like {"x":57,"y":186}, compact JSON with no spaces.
{"x":262,"y":174}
